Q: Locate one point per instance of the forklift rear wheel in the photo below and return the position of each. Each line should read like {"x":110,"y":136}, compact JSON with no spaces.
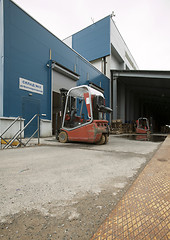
{"x":63,"y":138}
{"x":102,"y":140}
{"x":106,"y":138}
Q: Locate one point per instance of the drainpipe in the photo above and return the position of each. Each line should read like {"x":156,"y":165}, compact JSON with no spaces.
{"x":114,"y":97}
{"x":49,"y":89}
{"x":104,"y":65}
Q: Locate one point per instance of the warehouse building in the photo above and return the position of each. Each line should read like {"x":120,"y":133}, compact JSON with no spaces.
{"x":133,"y":93}
{"x":34,"y":66}
{"x":102,"y":44}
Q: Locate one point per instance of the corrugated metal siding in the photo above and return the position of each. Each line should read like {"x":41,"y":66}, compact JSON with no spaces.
{"x":1,"y":57}
{"x":27,"y":46}
{"x":93,"y":42}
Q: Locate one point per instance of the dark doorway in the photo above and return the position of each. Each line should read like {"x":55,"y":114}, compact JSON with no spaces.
{"x":56,"y":119}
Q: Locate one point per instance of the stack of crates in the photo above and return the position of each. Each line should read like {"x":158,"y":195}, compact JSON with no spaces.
{"x":116,"y":127}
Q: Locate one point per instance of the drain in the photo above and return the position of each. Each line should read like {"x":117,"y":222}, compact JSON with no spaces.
{"x":162,"y":160}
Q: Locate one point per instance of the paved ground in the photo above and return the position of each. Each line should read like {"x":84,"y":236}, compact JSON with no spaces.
{"x":65,"y":191}
{"x":143,"y":212}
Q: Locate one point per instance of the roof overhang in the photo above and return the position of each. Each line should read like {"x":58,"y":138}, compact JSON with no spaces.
{"x":149,"y":85}
{"x":65,"y":71}
{"x":141,"y":73}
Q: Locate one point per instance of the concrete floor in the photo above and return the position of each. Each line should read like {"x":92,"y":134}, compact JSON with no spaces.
{"x":32,"y":177}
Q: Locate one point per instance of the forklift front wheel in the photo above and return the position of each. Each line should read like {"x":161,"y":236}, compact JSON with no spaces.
{"x":63,"y":137}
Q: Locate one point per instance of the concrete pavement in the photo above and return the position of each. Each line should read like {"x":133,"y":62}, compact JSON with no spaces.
{"x":52,"y":176}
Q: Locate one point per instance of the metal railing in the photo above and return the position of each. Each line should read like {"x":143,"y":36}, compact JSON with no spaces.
{"x":17,"y":135}
{"x":3,"y":138}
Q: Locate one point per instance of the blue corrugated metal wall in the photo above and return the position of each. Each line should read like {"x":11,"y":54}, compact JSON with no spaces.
{"x":1,"y":57}
{"x":93,"y":42}
{"x":27,"y":46}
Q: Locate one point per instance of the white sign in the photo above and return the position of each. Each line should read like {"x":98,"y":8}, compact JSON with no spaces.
{"x":30,"y":86}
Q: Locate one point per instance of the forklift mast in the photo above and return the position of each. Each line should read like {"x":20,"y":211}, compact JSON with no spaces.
{"x":63,"y":95}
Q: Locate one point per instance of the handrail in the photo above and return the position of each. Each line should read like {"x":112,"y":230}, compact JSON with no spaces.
{"x":31,"y":137}
{"x":20,"y":131}
{"x":15,"y":120}
{"x":12,"y":139}
{"x":37,"y":130}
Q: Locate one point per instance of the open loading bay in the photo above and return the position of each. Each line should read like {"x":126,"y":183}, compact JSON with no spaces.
{"x":141,"y":94}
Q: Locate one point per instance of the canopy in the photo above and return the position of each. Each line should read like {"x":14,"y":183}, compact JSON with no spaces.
{"x":80,"y":90}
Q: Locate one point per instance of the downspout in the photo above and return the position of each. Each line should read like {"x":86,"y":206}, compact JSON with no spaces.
{"x":114,"y":92}
{"x":49,"y":89}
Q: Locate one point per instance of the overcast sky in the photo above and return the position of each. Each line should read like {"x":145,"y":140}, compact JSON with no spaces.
{"x":143,"y":24}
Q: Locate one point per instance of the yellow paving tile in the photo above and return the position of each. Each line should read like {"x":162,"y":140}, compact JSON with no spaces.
{"x":143,"y":212}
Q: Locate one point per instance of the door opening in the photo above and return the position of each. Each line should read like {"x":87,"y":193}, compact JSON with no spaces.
{"x":56,"y":118}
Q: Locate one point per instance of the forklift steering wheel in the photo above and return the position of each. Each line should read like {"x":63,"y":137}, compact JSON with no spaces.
{"x":72,"y":114}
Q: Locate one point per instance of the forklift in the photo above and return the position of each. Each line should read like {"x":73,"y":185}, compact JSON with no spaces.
{"x":83,"y":116}
{"x":142,"y":126}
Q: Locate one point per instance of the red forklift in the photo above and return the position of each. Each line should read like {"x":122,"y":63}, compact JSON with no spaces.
{"x":84,"y":116}
{"x":142,"y":126}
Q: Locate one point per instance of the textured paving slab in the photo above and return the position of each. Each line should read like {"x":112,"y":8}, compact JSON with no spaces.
{"x":143,"y":212}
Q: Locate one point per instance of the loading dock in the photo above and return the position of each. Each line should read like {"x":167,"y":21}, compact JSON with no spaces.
{"x":141,"y":94}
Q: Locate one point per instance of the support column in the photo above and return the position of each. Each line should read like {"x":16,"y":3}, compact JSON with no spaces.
{"x":128,"y":106}
{"x":136,"y":114}
{"x":131,"y":106}
{"x":122,"y":103}
{"x":114,"y":98}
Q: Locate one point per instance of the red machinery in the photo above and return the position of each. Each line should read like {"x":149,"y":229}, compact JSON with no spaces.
{"x":142,"y":125}
{"x":83,"y":117}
